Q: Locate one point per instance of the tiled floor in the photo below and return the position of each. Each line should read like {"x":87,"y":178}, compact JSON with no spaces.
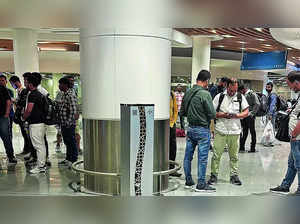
{"x":258,"y":172}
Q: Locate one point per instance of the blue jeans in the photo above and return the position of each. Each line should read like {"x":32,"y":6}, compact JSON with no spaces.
{"x":293,"y":166}
{"x":5,"y":136}
{"x":200,"y":136}
{"x":68,"y":134}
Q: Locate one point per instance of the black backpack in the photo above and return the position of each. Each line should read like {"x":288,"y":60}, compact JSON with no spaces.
{"x":50,"y":113}
{"x":281,"y":104}
{"x":263,"y":105}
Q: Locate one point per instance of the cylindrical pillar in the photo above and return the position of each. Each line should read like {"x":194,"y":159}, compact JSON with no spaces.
{"x":122,"y":66}
{"x":201,"y":56}
{"x":26,"y":57}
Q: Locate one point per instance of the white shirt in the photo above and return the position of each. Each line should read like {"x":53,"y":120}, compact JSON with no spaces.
{"x":229,"y":105}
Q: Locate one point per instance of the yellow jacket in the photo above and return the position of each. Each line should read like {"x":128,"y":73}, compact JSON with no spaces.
{"x":173,"y":110}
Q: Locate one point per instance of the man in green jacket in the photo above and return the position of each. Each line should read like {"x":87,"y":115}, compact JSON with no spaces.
{"x":197,"y":106}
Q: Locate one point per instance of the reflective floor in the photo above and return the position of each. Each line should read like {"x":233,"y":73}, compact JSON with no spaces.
{"x":258,"y":172}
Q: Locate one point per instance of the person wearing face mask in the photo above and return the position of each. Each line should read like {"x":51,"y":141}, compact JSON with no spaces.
{"x":230,"y":107}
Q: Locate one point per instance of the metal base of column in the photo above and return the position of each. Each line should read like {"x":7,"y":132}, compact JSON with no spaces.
{"x":102,"y":154}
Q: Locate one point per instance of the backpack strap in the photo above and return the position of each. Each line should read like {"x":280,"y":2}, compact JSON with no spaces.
{"x":239,"y":98}
{"x":221,"y":98}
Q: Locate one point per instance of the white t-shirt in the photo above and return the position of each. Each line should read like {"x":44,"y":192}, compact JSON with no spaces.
{"x":229,"y":105}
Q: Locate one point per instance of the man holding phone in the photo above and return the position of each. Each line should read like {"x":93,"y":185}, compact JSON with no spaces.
{"x":230,"y":107}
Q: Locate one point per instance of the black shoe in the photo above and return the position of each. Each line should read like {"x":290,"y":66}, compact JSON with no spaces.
{"x":189,"y":184}
{"x":176,"y":174}
{"x":12,"y":161}
{"x":212,"y":180}
{"x":204,"y":188}
{"x":48,"y":163}
{"x":252,"y":151}
{"x":235,"y":180}
{"x":280,"y":190}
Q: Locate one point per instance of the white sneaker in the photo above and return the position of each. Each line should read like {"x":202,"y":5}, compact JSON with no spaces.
{"x":37,"y":170}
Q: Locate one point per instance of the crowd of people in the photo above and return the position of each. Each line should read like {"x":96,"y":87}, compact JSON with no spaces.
{"x":228,"y":111}
{"x":29,"y":109}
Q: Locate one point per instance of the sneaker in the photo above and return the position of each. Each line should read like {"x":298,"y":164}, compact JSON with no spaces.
{"x":252,"y":151}
{"x":235,"y":180}
{"x":12,"y":161}
{"x":212,"y":180}
{"x":176,"y":174}
{"x":64,"y":163}
{"x":48,"y":163}
{"x":31,"y":162}
{"x":280,"y":190}
{"x":204,"y":188}
{"x":189,"y":184}
{"x":37,"y":170}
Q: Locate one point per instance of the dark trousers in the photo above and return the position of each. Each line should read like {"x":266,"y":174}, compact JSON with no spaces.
{"x":28,"y":147}
{"x":173,"y":145}
{"x":5,"y":136}
{"x":68,"y":134}
{"x":248,"y":123}
{"x":181,"y":122}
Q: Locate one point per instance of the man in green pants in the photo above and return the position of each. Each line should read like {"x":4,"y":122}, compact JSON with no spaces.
{"x":230,"y":107}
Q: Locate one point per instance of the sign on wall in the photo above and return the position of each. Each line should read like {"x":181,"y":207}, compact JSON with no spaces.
{"x":264,"y":60}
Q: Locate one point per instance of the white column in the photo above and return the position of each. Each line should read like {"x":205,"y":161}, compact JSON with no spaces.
{"x":125,"y":66}
{"x":26,"y":57}
{"x":201,"y":56}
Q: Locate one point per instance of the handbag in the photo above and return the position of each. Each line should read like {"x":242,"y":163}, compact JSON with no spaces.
{"x":283,"y":130}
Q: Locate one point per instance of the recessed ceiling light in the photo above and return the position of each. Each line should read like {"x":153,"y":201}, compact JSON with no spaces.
{"x":77,"y":43}
{"x":242,"y":42}
{"x":227,"y":36}
{"x":43,"y":42}
{"x":267,"y":45}
{"x":220,"y":46}
{"x":213,"y":31}
{"x":289,"y":48}
{"x":243,"y":48}
{"x":259,"y":29}
{"x":52,"y":49}
{"x":260,"y":39}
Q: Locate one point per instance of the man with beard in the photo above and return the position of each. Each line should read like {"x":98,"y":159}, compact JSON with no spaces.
{"x":293,"y":81}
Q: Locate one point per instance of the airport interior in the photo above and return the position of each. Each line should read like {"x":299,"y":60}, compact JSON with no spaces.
{"x":118,"y":71}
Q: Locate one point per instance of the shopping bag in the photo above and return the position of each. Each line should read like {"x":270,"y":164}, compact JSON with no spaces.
{"x":268,"y":136}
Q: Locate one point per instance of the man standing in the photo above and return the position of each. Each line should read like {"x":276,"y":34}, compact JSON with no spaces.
{"x":3,"y":82}
{"x":67,"y":110}
{"x":272,"y":103}
{"x":179,"y":94}
{"x":34,"y":115}
{"x":77,"y":129}
{"x":5,"y":106}
{"x":230,"y":107}
{"x":197,"y":106}
{"x":249,"y":122}
{"x":20,"y":107}
{"x":220,"y":88}
{"x":293,"y":81}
